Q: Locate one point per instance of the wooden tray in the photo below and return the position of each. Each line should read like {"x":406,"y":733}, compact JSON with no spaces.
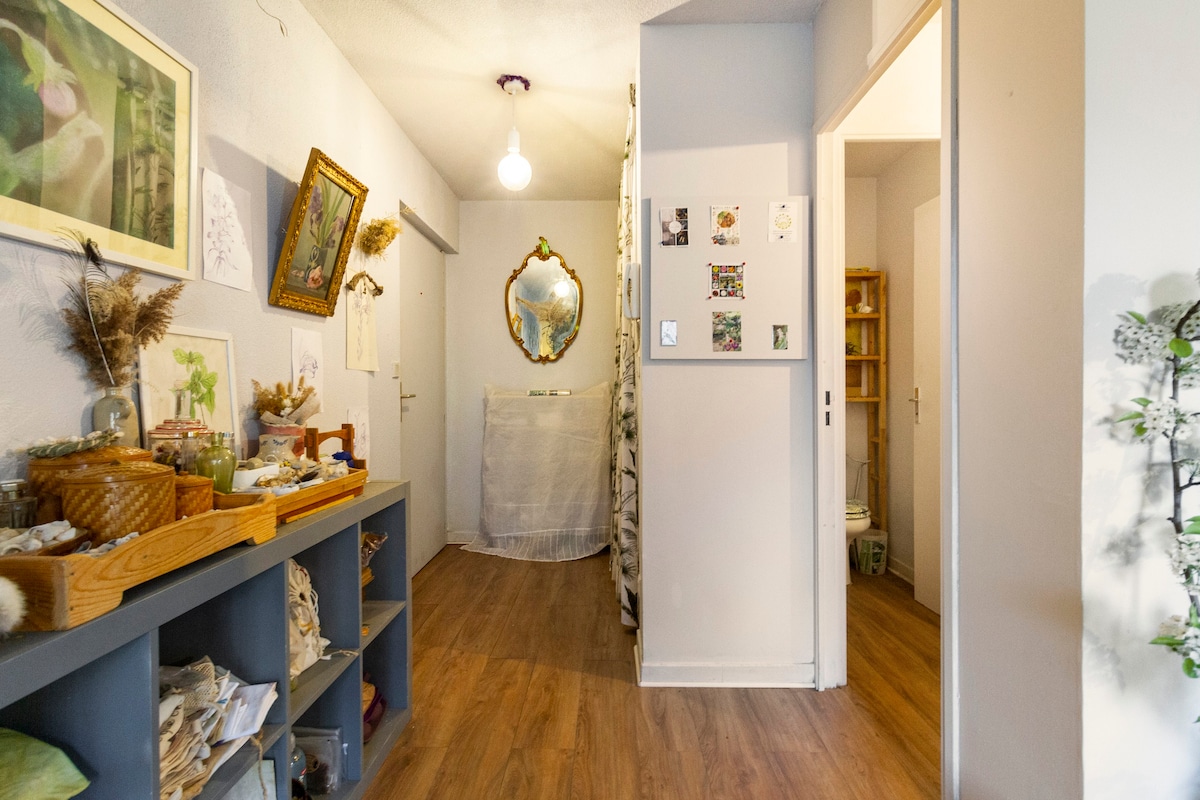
{"x":291,"y":507}
{"x":64,"y":591}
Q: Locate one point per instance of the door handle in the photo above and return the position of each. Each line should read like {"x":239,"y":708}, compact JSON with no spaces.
{"x":916,"y":401}
{"x":407,"y":396}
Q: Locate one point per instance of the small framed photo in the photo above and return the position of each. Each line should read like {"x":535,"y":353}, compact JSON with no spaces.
{"x":320,"y":233}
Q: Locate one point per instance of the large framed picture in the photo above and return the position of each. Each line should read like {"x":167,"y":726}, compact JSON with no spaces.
{"x":200,"y":362}
{"x":97,"y":133}
{"x":320,"y":233}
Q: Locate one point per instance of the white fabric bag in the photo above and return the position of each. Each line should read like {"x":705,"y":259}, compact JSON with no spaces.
{"x":305,"y":643}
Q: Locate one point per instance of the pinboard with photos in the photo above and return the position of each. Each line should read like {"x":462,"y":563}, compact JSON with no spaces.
{"x":729,"y":277}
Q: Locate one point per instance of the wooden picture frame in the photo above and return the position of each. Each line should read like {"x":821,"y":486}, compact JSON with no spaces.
{"x":207,"y":362}
{"x":320,"y":234}
{"x":102,"y":134}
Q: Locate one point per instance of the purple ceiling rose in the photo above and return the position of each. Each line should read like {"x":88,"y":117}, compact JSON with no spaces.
{"x":503,"y":79}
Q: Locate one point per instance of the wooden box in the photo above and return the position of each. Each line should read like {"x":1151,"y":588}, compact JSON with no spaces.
{"x":64,"y":591}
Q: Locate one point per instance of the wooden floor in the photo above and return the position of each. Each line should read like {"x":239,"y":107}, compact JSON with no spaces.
{"x":524,"y":688}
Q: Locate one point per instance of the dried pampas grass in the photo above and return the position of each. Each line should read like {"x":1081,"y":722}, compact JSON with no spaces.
{"x":105,"y":320}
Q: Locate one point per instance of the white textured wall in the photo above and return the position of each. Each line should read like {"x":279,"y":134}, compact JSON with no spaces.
{"x":496,"y":237}
{"x":265,"y":99}
{"x":1020,"y":284}
{"x":910,"y":181}
{"x":1143,"y":247}
{"x":727,"y":510}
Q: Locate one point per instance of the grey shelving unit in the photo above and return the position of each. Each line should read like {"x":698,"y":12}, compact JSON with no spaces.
{"x":93,"y":690}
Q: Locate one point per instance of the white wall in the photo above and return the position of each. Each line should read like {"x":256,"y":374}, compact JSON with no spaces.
{"x":1020,"y":280}
{"x":727,"y":513}
{"x":910,"y":181}
{"x":1143,"y":246}
{"x":265,"y":99}
{"x":496,"y":236}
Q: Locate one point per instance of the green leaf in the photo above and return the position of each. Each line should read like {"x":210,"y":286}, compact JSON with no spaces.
{"x":1131,"y":415}
{"x":1137,"y":316}
{"x":1139,"y":429}
{"x":1180,"y":347}
{"x":1192,"y":528}
{"x":1142,"y":401}
{"x":1166,"y":641}
{"x":1189,"y":668}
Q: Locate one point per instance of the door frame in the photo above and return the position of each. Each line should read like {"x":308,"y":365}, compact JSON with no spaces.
{"x":829,"y":386}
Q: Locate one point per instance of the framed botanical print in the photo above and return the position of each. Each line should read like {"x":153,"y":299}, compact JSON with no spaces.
{"x":196,"y":360}
{"x":320,"y":234}
{"x":97,"y":133}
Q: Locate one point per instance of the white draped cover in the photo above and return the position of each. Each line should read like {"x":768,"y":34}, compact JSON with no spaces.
{"x":546,"y":489}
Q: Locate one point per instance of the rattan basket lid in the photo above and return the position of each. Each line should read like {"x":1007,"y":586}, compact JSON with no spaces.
{"x":130,"y":472}
{"x":186,"y":481}
{"x":100,"y":455}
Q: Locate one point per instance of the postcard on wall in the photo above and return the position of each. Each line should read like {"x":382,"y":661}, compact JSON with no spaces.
{"x":726,"y":225}
{"x":308,"y":360}
{"x":674,"y":226}
{"x":668,"y":331}
{"x":727,"y":331}
{"x":784,"y":222}
{"x":226,"y":233}
{"x":727,"y":280}
{"x":779,"y":337}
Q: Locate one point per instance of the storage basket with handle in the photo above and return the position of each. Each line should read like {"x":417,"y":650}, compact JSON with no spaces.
{"x":115,"y":500}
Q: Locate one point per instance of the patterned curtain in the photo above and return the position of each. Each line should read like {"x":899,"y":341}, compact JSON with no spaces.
{"x":626,"y":552}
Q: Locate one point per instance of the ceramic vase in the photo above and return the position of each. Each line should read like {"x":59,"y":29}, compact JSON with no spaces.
{"x":295,"y":431}
{"x":115,"y":411}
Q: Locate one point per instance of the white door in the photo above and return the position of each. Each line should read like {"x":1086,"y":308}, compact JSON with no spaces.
{"x":422,"y":288}
{"x":927,"y":538}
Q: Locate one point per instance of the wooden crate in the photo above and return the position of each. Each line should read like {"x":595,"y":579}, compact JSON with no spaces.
{"x":291,"y":507}
{"x":64,"y":591}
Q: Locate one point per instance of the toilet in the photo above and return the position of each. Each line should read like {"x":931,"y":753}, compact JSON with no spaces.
{"x":858,"y":521}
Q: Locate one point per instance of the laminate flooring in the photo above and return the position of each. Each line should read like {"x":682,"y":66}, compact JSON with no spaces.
{"x":523,"y":684}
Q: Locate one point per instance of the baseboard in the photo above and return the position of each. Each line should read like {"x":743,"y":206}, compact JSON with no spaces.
{"x":461,"y":537}
{"x":748,"y":676}
{"x":901,"y":570}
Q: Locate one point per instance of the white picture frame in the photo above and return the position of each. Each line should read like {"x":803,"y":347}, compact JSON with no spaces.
{"x":159,"y":371}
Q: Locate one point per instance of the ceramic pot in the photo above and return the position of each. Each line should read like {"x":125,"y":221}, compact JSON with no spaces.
{"x":277,"y":446}
{"x":295,"y":431}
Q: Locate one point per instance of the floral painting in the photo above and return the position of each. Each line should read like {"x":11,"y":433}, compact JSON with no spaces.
{"x":320,"y":234}
{"x":95,"y":132}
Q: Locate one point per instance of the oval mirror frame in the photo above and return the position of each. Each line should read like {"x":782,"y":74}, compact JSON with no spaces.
{"x":543,"y":305}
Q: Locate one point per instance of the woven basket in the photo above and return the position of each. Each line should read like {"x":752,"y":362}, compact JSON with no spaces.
{"x":115,"y":500}
{"x":193,"y":495}
{"x":46,"y":474}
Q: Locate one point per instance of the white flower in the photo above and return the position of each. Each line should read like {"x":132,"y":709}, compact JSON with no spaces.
{"x":1186,"y":555}
{"x":1142,"y":343}
{"x":1164,"y":418}
{"x":1175,"y":627}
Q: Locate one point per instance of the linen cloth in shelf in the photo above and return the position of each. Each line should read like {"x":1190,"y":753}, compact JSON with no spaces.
{"x":546,"y":489}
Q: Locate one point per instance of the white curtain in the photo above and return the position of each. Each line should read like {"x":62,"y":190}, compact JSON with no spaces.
{"x":626,"y":528}
{"x":545,"y":463}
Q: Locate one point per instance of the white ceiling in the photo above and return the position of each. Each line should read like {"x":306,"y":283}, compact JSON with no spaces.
{"x":434,"y":65}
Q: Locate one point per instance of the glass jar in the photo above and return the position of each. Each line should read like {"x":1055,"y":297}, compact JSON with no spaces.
{"x":17,"y":509}
{"x":217,"y":461}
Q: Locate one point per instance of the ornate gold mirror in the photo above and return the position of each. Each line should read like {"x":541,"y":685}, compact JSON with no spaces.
{"x":543,"y":301}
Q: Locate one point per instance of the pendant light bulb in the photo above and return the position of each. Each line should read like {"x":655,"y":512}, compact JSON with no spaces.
{"x":514,"y":170}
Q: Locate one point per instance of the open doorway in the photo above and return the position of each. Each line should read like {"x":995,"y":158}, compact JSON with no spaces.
{"x":889,"y":140}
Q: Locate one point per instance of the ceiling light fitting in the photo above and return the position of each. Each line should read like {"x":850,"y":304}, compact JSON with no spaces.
{"x":514,"y":170}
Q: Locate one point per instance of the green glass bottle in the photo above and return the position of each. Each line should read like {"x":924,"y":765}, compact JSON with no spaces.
{"x":217,"y":461}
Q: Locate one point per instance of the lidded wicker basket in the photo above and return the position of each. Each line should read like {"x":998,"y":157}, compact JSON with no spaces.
{"x":46,"y":474}
{"x":114,"y":500}
{"x":193,"y":495}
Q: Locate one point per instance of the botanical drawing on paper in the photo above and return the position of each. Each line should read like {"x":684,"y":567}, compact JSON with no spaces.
{"x":201,"y":383}
{"x":307,"y":359}
{"x":227,"y":242}
{"x":361,"y":348}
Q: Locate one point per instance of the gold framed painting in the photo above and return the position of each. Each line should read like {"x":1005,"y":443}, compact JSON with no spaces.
{"x":97,"y":133}
{"x":320,"y":233}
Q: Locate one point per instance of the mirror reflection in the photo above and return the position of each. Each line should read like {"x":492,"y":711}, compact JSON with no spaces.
{"x":543,"y":304}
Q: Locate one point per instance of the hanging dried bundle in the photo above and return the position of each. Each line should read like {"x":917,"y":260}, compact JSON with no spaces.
{"x":376,"y":236}
{"x":105,"y":319}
